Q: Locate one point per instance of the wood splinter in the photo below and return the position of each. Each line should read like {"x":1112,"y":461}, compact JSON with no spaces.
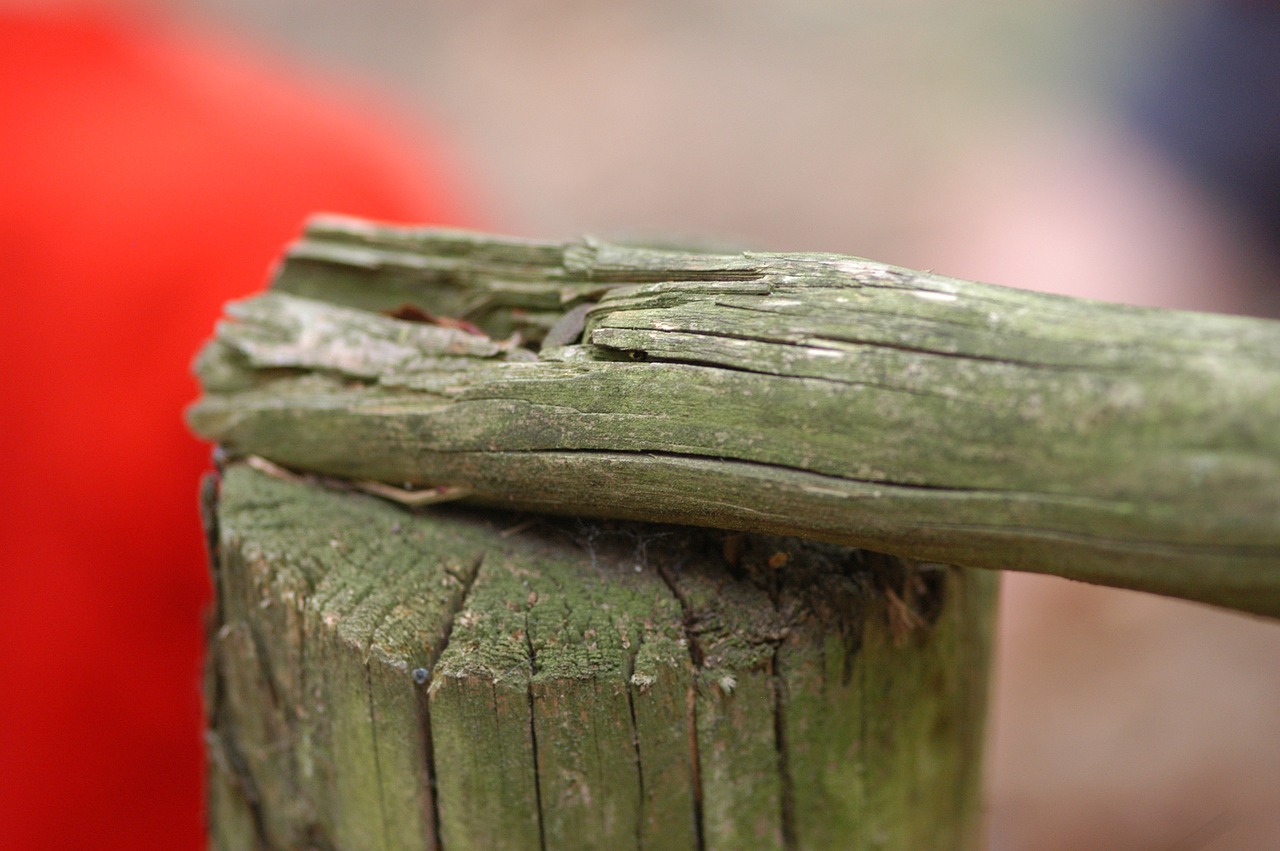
{"x":408,"y":497}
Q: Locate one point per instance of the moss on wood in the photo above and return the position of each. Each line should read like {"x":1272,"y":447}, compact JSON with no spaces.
{"x":389,"y":679}
{"x":816,"y":395}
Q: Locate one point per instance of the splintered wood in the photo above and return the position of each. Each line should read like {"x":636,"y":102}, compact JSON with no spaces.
{"x":815,"y":395}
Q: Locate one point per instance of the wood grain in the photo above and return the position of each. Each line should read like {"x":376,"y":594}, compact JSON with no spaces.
{"x":814,"y":395}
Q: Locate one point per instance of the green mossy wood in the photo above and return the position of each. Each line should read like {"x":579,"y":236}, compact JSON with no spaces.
{"x":814,"y":395}
{"x":381,"y":678}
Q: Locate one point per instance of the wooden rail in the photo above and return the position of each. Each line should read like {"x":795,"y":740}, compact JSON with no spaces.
{"x":821,"y":396}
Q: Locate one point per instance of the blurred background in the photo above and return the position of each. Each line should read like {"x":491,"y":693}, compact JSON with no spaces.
{"x":1042,"y":144}
{"x":881,"y":127}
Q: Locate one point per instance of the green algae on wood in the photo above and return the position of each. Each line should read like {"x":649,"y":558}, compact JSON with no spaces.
{"x":815,"y":395}
{"x":867,"y":713}
{"x":327,"y":603}
{"x":390,"y":679}
{"x":825,"y":708}
{"x":554,"y":630}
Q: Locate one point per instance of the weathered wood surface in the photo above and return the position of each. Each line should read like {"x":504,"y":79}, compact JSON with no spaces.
{"x":388,"y":679}
{"x":814,"y":395}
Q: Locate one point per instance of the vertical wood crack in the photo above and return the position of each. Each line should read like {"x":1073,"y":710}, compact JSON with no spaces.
{"x":377,"y":759}
{"x":224,"y":752}
{"x":691,"y":702}
{"x":533,"y":739}
{"x":635,"y":742}
{"x":422,"y":679}
{"x":222,"y":749}
{"x":786,"y":782}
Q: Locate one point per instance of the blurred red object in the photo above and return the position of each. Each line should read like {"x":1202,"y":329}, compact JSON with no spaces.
{"x":148,"y":178}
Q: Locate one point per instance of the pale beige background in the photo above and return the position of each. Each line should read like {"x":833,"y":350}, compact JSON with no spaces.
{"x":970,"y":138}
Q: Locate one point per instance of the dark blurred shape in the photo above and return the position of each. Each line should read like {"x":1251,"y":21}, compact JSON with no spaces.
{"x":149,"y":176}
{"x":1211,"y":101}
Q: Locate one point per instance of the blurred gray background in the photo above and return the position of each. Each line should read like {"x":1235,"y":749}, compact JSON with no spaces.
{"x":977,"y":139}
{"x":807,"y":124}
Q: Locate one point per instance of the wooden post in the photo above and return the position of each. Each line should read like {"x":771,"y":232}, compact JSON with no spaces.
{"x":381,"y":678}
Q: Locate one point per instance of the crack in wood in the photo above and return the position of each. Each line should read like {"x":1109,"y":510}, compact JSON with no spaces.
{"x":670,"y":332}
{"x":221,"y":747}
{"x":377,"y":758}
{"x":642,"y":803}
{"x":223,"y":750}
{"x":1064,"y":499}
{"x":423,"y":697}
{"x":787,"y":798}
{"x":533,"y":739}
{"x":696,"y":656}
